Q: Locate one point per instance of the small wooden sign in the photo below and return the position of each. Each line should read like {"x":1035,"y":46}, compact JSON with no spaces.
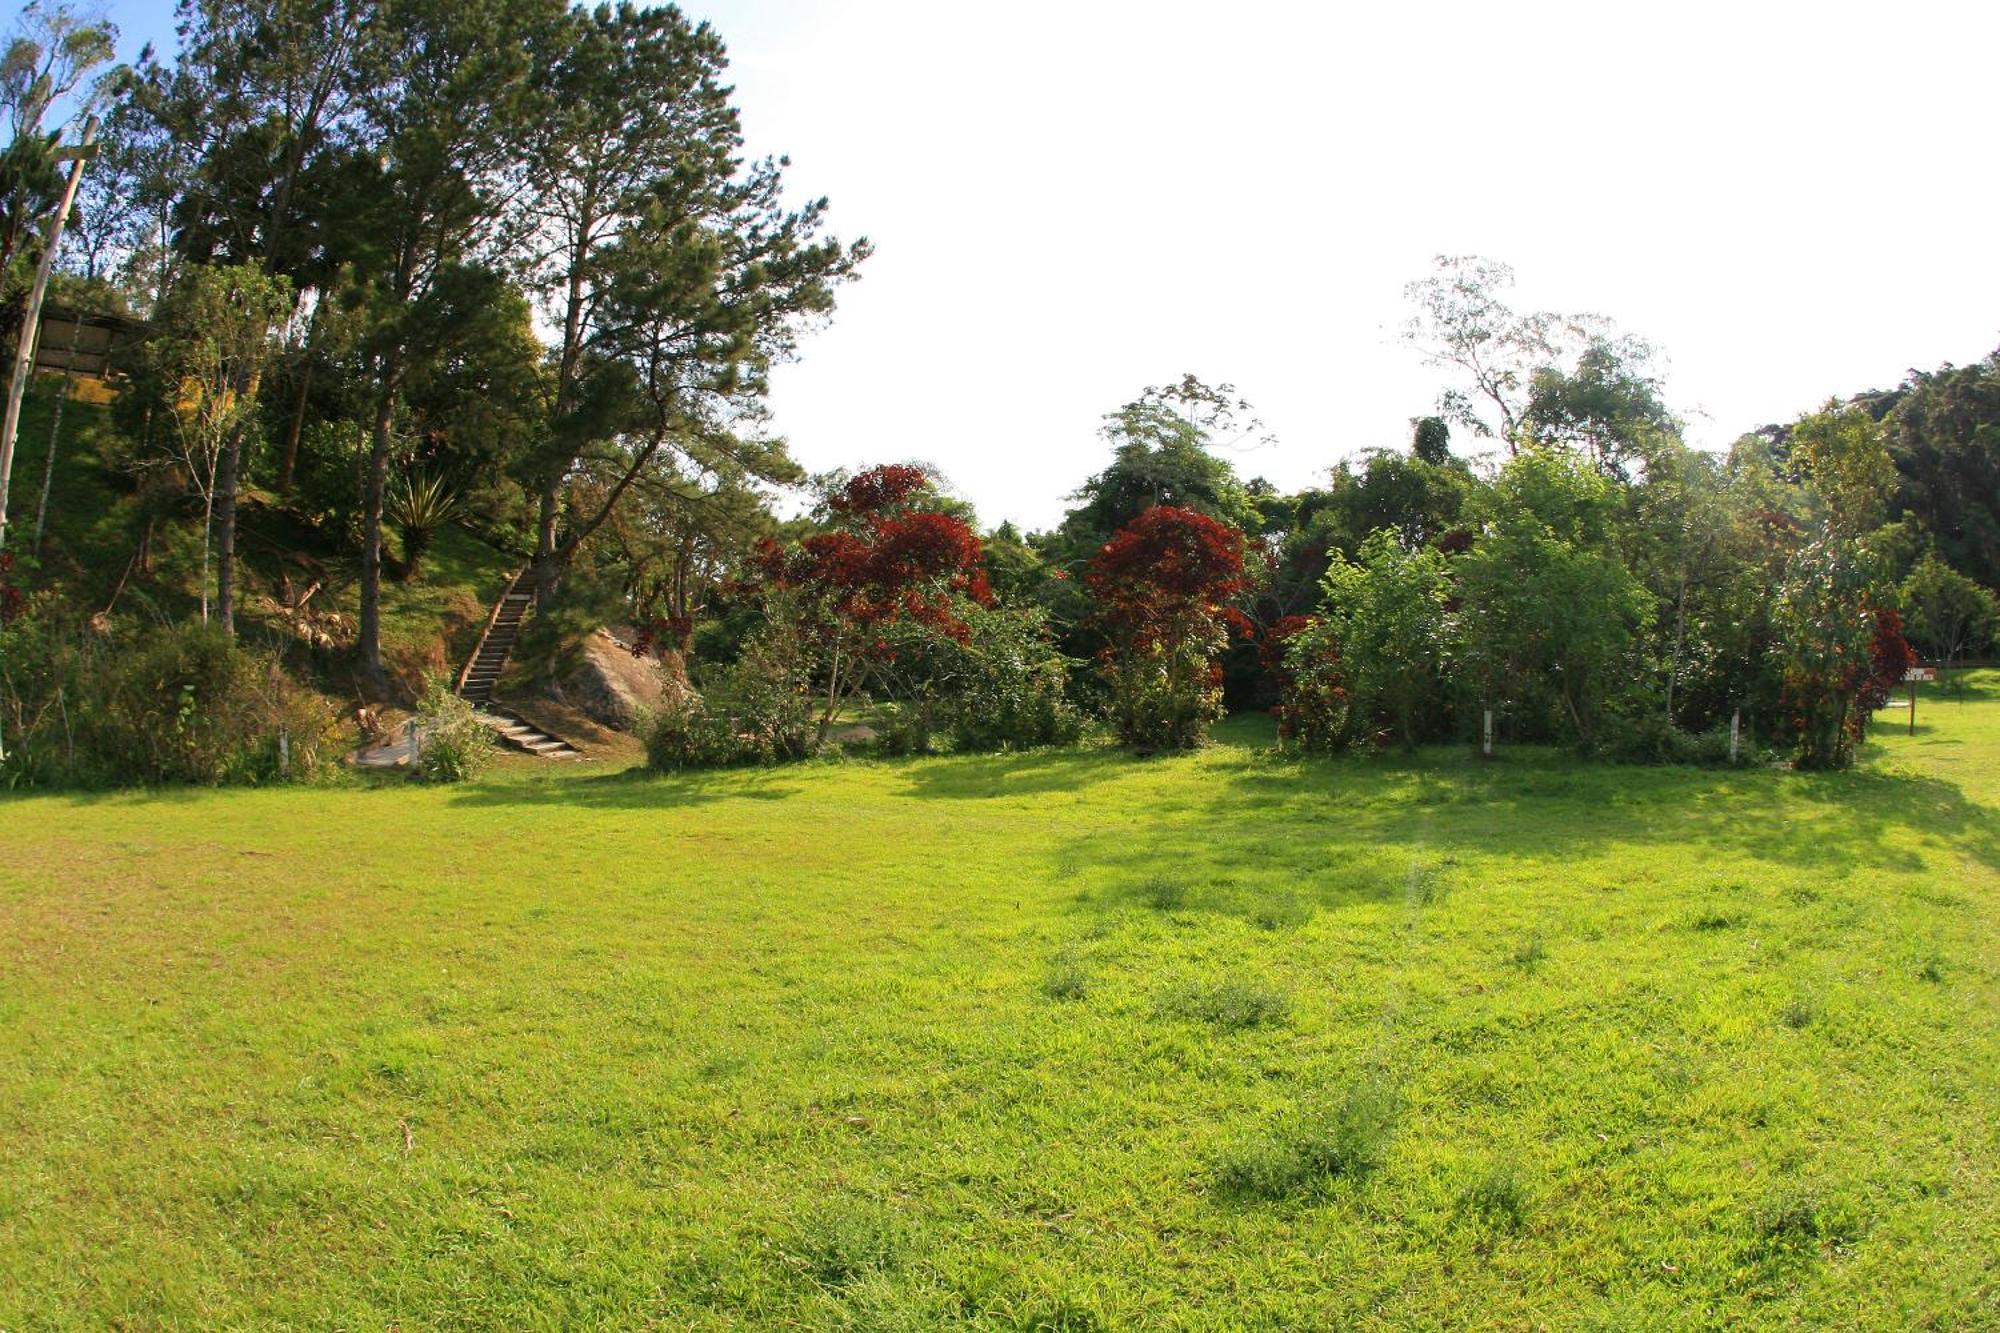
{"x":1920,"y":673}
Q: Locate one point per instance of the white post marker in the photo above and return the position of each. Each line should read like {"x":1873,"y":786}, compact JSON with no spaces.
{"x":1486,"y":744}
{"x":1911,"y":678}
{"x":1735,"y":733}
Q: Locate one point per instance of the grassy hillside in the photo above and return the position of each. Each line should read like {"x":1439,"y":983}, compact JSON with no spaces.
{"x":104,"y":506}
{"x":1054,"y":1040}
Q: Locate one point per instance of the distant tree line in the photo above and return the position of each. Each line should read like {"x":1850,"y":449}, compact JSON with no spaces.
{"x":504,"y":266}
{"x":1585,"y":578}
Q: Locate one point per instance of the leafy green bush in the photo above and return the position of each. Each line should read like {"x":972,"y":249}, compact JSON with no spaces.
{"x":1652,"y":739}
{"x":1376,"y":656}
{"x":153,"y":704}
{"x":452,"y":744}
{"x":755,"y":710}
{"x":683,"y":734}
{"x":1313,"y":705}
{"x":1012,"y":689}
{"x":906,"y":728}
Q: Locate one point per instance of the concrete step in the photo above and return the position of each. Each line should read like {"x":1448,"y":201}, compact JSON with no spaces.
{"x":521,"y":735}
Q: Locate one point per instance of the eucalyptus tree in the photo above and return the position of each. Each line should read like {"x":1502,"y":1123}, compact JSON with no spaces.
{"x":47,"y":60}
{"x":1944,"y":434}
{"x":672,"y":269}
{"x":214,"y":334}
{"x":51,"y":55}
{"x":1530,"y":375}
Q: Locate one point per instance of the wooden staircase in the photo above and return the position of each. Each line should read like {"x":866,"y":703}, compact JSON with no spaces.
{"x":482,"y":670}
{"x":481,"y":673}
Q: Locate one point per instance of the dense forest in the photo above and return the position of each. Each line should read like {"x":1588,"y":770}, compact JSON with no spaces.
{"x":419,"y":294}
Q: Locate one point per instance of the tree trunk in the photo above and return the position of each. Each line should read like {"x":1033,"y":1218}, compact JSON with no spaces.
{"x":1680,"y":631}
{"x":547,"y":560}
{"x":1575,"y":715}
{"x":377,"y":481}
{"x":289,"y":462}
{"x":207,"y":537}
{"x":832,"y":694}
{"x":24,"y":347}
{"x":225,"y":531}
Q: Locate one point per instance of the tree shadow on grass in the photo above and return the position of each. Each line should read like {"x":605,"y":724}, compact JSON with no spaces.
{"x":980,"y":777}
{"x":1266,"y":838}
{"x":1546,"y":803}
{"x":635,"y":788}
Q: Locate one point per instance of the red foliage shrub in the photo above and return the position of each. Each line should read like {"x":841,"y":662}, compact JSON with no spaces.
{"x":1162,"y":566}
{"x":1890,"y":658}
{"x":1161,"y":585}
{"x":890,"y":562}
{"x":879,"y":491}
{"x":1271,"y":643}
{"x":1168,"y":556}
{"x":660,"y":635}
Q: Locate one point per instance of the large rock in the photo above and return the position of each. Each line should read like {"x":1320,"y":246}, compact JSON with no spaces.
{"x":611,"y":685}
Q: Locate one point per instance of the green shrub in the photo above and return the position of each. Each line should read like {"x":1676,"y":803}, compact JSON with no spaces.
{"x":683,"y":734}
{"x":902,"y":729}
{"x":1313,"y":711}
{"x":753,"y":711}
{"x":1012,"y":690}
{"x":152,"y":704}
{"x":1651,"y":739}
{"x":452,"y":744}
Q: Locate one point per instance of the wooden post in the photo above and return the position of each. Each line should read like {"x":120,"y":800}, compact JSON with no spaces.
{"x":1735,"y":733}
{"x":31,"y":317}
{"x":1486,"y":741}
{"x":1913,"y":708}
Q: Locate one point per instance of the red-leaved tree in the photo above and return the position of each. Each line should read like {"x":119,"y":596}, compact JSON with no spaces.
{"x":1890,"y":658}
{"x":891,"y":575}
{"x":1162,"y":587}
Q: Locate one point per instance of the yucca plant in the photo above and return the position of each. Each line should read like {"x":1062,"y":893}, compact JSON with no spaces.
{"x":419,"y":504}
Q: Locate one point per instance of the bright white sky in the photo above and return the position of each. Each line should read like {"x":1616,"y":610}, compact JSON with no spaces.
{"x":1072,"y":201}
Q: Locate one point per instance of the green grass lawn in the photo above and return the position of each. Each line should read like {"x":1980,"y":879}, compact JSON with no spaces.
{"x":1039,"y":1041}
